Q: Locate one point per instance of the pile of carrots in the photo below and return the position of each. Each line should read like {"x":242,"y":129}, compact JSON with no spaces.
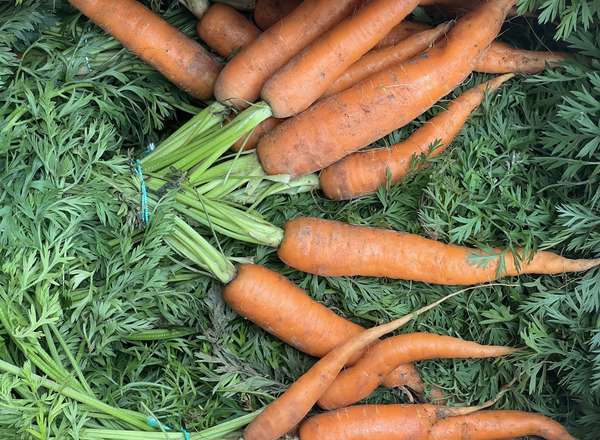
{"x":338,"y":76}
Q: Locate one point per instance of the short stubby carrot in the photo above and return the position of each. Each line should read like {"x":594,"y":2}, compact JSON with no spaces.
{"x":281,"y":308}
{"x":250,"y":141}
{"x":225,"y":30}
{"x":378,"y":60}
{"x":494,"y":425}
{"x":269,"y":12}
{"x":343,"y":123}
{"x":332,"y":248}
{"x":378,"y":422}
{"x":361,"y":379}
{"x":243,"y":77}
{"x":284,"y":414}
{"x":363,"y":172}
{"x":179,"y":58}
{"x":305,"y":78}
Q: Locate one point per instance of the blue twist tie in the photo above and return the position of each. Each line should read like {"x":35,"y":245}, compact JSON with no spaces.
{"x":186,"y":435}
{"x":144,"y":211}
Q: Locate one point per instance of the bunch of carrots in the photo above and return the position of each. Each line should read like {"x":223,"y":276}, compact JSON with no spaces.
{"x":334,"y":77}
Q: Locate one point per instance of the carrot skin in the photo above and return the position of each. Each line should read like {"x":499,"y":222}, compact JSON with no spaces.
{"x":501,"y":58}
{"x":225,"y":30}
{"x":278,"y":306}
{"x":400,"y":32}
{"x":251,"y":141}
{"x":314,"y":245}
{"x":340,"y":124}
{"x":269,"y":12}
{"x":179,"y":58}
{"x":360,"y":380}
{"x":243,"y":77}
{"x":378,"y":60}
{"x":492,"y":425}
{"x":363,"y":172}
{"x":305,"y":78}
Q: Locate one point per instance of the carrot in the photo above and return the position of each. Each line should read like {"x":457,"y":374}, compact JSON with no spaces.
{"x":332,"y":248}
{"x":179,"y":58}
{"x":298,"y":84}
{"x":269,"y":12}
{"x":501,"y":58}
{"x":225,"y":30}
{"x":379,"y":422}
{"x":360,"y":380}
{"x":364,"y":171}
{"x":352,"y":119}
{"x":243,"y":77}
{"x":278,"y":306}
{"x":408,"y":375}
{"x":400,"y":32}
{"x":289,"y":409}
{"x":492,"y":425}
{"x":378,"y":60}
{"x":250,"y":141}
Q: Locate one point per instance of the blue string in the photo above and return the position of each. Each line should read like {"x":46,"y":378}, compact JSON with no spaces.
{"x":144,"y":211}
{"x":153,"y":422}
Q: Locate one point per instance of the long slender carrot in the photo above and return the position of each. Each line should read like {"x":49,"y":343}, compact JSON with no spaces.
{"x":492,"y":425}
{"x":377,"y":60}
{"x":305,"y":78}
{"x":269,"y":12}
{"x":243,"y":77}
{"x":336,"y":126}
{"x":501,"y":58}
{"x":332,"y":248}
{"x":289,"y":409}
{"x":179,"y":58}
{"x":277,"y":305}
{"x":364,"y":171}
{"x":225,"y":30}
{"x":400,"y":32}
{"x":379,"y":422}
{"x":361,"y":379}
{"x":250,"y":141}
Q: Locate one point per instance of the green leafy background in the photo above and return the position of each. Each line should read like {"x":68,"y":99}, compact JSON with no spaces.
{"x":75,"y":106}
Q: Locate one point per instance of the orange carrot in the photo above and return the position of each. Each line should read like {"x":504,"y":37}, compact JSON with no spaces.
{"x":269,"y":12}
{"x":400,"y":32}
{"x":364,"y":171}
{"x":378,"y":60}
{"x":379,"y":422}
{"x":336,"y":126}
{"x":331,"y":248}
{"x":298,"y":84}
{"x":501,"y":58}
{"x":407,"y":375}
{"x":243,"y":77}
{"x":250,"y":141}
{"x":360,"y":380}
{"x":289,"y":409}
{"x":278,"y":306}
{"x":225,"y":30}
{"x":492,"y":425}
{"x":179,"y":58}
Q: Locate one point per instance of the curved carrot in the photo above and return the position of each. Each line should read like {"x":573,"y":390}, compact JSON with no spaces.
{"x":243,"y":77}
{"x":378,"y":422}
{"x":492,"y":425}
{"x":400,"y":32}
{"x":179,"y":58}
{"x":408,"y":375}
{"x":378,"y":60}
{"x":250,"y":141}
{"x":278,"y":306}
{"x":336,"y":126}
{"x":305,"y":78}
{"x":225,"y":30}
{"x":501,"y":58}
{"x":360,"y":380}
{"x":269,"y":12}
{"x":364,"y":171}
{"x":289,"y":409}
{"x":332,"y":248}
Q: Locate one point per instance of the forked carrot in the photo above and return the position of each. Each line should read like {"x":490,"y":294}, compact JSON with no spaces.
{"x":305,"y":78}
{"x":269,"y":12}
{"x":243,"y":77}
{"x":225,"y":30}
{"x":361,"y":379}
{"x":179,"y":58}
{"x":363,"y":172}
{"x":343,"y":123}
{"x":332,"y":248}
{"x":291,"y":407}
